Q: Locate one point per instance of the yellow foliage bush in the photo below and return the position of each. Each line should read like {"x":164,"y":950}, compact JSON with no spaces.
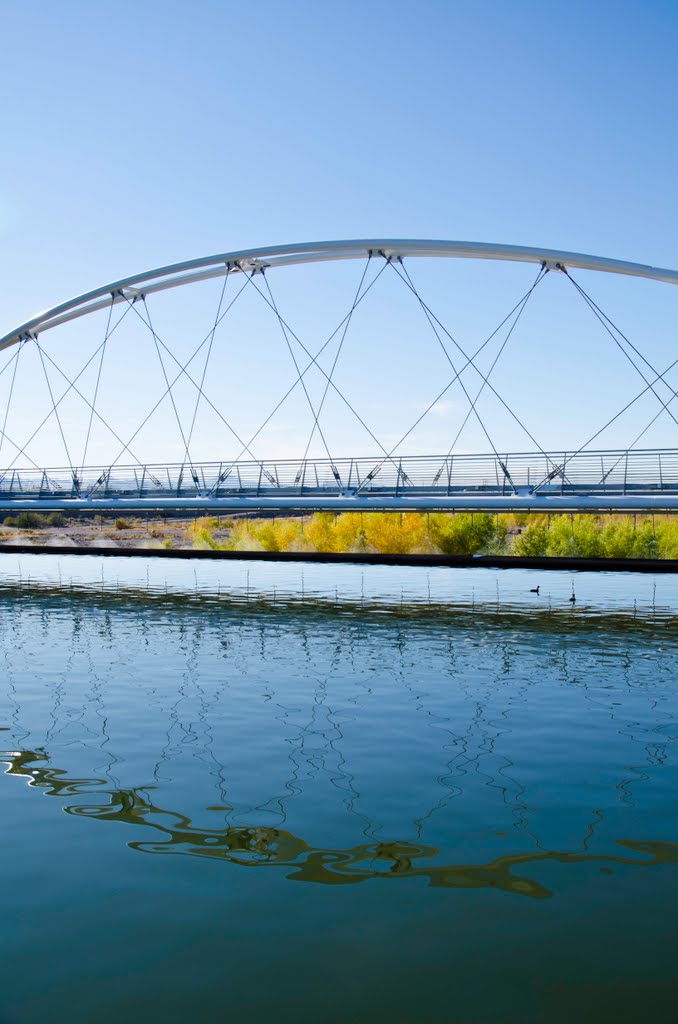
{"x":528,"y":535}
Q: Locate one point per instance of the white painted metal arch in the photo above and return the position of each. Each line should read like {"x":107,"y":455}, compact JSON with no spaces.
{"x":252,"y":260}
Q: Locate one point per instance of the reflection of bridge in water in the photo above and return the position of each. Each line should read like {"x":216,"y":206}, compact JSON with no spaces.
{"x":174,"y":834}
{"x":460,"y":722}
{"x":580,"y":478}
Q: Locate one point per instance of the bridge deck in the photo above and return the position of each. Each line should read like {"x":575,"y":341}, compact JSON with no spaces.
{"x":587,"y":481}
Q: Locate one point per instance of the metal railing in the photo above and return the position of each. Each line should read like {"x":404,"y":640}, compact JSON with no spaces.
{"x":609,"y":473}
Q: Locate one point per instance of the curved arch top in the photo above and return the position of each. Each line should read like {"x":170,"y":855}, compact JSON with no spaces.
{"x":253,"y":260}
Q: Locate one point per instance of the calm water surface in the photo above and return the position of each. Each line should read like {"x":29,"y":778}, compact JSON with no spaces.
{"x":336,"y":793}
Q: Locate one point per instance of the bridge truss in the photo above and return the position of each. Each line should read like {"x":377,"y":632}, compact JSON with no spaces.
{"x":72,"y":408}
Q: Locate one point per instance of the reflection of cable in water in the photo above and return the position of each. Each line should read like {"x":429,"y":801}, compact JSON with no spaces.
{"x":461,"y":761}
{"x":386,"y":650}
{"x":207,"y":753}
{"x":241,"y":603}
{"x":176,"y":725}
{"x":19,"y":732}
{"x":323,"y":723}
{"x":343,"y":778}
{"x":95,"y":702}
{"x":58,"y":693}
{"x":516,"y":697}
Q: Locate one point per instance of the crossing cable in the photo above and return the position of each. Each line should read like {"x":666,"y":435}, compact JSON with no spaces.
{"x":204,"y":371}
{"x":543,"y":271}
{"x":604,"y":320}
{"x":314,"y":361}
{"x":76,"y":482}
{"x":339,"y":348}
{"x":171,"y":393}
{"x":632,"y":445}
{"x":638,"y":436}
{"x":15,"y":361}
{"x":293,"y":386}
{"x":96,"y":387}
{"x":601,"y":313}
{"x":315,"y":414}
{"x":72,"y":386}
{"x":454,"y":369}
{"x":649,"y":385}
{"x":183,"y":371}
{"x":22,"y":450}
{"x":628,"y":406}
{"x":125,"y":447}
{"x":469,"y":360}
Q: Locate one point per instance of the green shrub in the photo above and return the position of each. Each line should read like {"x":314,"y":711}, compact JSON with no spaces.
{"x":533,"y":542}
{"x":461,"y":534}
{"x":667,"y":538}
{"x":122,"y":524}
{"x":645,"y":544}
{"x":29,"y":521}
{"x":200,"y":532}
{"x":575,"y":537}
{"x":617,"y":538}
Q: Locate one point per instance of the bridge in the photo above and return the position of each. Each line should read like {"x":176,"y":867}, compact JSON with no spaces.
{"x":55,"y":410}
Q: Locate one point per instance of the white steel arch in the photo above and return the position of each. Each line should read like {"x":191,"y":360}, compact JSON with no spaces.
{"x":254,"y":260}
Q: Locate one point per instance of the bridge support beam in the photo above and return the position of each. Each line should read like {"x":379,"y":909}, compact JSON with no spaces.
{"x":642,"y":503}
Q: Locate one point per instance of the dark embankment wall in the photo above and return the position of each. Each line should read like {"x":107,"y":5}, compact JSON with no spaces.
{"x":649,"y":565}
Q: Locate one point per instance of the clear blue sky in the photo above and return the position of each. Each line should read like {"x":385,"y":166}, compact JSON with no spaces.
{"x":134,"y":135}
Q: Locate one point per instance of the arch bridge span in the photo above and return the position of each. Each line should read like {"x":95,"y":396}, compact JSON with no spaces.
{"x":580,"y":478}
{"x":240,"y":261}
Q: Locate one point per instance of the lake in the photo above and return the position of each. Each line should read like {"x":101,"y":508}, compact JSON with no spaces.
{"x":336,"y":793}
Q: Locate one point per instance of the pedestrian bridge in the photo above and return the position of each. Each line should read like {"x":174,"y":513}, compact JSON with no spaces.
{"x":595,"y":481}
{"x":77,"y":430}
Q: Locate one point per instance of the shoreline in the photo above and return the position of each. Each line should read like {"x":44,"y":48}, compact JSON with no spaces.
{"x":554,"y":563}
